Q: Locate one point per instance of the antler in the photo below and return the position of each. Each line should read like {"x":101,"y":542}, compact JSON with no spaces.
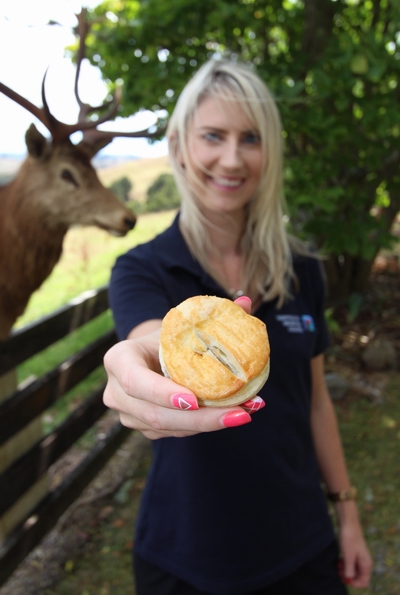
{"x":41,"y":114}
{"x":84,"y":108}
{"x":92,"y":137}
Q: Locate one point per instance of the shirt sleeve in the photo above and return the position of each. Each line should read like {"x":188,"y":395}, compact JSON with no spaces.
{"x":136,"y":293}
{"x":319,"y":284}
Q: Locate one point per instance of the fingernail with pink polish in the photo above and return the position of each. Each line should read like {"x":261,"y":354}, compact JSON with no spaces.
{"x":185,"y":402}
{"x":254,"y":404}
{"x":236,"y":418}
{"x":245,"y":298}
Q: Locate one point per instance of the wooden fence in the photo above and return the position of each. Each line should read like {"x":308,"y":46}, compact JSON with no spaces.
{"x":24,"y":474}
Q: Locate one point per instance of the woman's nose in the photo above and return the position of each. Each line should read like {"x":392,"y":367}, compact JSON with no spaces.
{"x":231,"y":156}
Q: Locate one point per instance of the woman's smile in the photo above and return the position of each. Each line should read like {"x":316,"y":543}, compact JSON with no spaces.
{"x":228,"y":183}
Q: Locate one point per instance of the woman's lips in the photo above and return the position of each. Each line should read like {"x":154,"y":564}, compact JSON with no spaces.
{"x":227,"y":182}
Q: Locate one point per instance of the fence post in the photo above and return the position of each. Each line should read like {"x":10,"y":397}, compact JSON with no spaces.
{"x":13,"y":449}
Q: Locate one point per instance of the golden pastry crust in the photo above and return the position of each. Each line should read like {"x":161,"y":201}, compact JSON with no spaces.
{"x":211,"y":346}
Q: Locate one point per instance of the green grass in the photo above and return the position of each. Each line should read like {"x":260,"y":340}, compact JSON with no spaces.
{"x":56,"y":354}
{"x":371,"y":438}
{"x":88,"y":256}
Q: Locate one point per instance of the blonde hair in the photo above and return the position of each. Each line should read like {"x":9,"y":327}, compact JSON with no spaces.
{"x":265,"y":244}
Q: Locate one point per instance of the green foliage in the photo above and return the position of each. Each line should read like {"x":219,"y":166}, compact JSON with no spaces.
{"x":334,"y":67}
{"x":162,"y":194}
{"x":332,"y":324}
{"x":355,"y":305}
{"x":136,"y":207}
{"x":121,"y":188}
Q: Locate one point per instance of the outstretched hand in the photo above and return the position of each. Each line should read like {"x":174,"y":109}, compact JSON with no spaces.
{"x":155,"y":405}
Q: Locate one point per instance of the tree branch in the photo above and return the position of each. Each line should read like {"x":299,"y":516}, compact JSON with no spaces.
{"x":318,"y":23}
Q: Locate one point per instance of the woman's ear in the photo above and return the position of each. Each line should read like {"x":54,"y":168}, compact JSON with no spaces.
{"x":175,"y":149}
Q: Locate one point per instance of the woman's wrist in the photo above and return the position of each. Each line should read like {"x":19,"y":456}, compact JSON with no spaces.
{"x":344,"y":501}
{"x":343,"y":495}
{"x":347,"y":513}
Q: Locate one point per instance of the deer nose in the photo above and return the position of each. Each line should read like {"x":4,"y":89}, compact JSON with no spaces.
{"x":130,"y":223}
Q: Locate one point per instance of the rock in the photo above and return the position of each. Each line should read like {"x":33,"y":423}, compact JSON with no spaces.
{"x":365,"y":389}
{"x":337,"y":385}
{"x":379,"y":355}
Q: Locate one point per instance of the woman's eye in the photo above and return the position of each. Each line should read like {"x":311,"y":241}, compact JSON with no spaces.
{"x":252,"y":138}
{"x":68,"y":177}
{"x":212,"y":137}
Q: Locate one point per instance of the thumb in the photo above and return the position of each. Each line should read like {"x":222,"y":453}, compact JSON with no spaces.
{"x":244,"y":302}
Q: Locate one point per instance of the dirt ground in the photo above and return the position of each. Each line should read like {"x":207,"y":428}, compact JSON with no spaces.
{"x":378,"y":318}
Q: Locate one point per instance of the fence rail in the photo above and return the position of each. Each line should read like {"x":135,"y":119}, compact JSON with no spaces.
{"x":24,"y":406}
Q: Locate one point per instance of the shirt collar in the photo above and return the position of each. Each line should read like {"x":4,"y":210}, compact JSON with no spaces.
{"x":174,"y":253}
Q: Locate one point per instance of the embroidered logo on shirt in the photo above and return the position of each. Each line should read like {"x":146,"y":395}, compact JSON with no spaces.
{"x":297,"y":324}
{"x":308,"y":323}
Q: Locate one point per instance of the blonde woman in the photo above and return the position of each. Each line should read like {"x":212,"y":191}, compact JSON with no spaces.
{"x":234,"y":502}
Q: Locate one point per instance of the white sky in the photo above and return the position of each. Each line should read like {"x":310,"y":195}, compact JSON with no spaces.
{"x":28,"y":46}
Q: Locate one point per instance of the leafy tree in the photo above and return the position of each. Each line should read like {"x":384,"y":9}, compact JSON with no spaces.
{"x":334,"y":67}
{"x":136,"y":206}
{"x":121,"y":188}
{"x":162,"y":194}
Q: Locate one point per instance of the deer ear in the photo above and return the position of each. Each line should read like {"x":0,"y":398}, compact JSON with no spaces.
{"x":36,"y":143}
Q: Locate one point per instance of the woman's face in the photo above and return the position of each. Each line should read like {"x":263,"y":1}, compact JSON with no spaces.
{"x":225,"y":155}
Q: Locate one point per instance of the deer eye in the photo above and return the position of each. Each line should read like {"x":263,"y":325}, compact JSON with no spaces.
{"x":68,"y":177}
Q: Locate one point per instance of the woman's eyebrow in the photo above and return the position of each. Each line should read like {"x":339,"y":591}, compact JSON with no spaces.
{"x":211,"y":127}
{"x":202,"y":128}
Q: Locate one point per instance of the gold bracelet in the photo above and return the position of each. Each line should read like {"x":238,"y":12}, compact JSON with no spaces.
{"x":343,"y":495}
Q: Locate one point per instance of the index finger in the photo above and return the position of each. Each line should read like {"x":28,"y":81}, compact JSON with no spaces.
{"x":143,"y":393}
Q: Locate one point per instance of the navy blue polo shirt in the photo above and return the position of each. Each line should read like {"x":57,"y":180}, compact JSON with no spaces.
{"x":237,"y":509}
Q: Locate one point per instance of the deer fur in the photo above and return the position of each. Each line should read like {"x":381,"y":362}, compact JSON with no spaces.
{"x":55,"y":187}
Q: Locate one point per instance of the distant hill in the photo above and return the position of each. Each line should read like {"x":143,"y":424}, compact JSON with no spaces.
{"x":140,"y":172}
{"x":103,"y":161}
{"x":10,"y":163}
